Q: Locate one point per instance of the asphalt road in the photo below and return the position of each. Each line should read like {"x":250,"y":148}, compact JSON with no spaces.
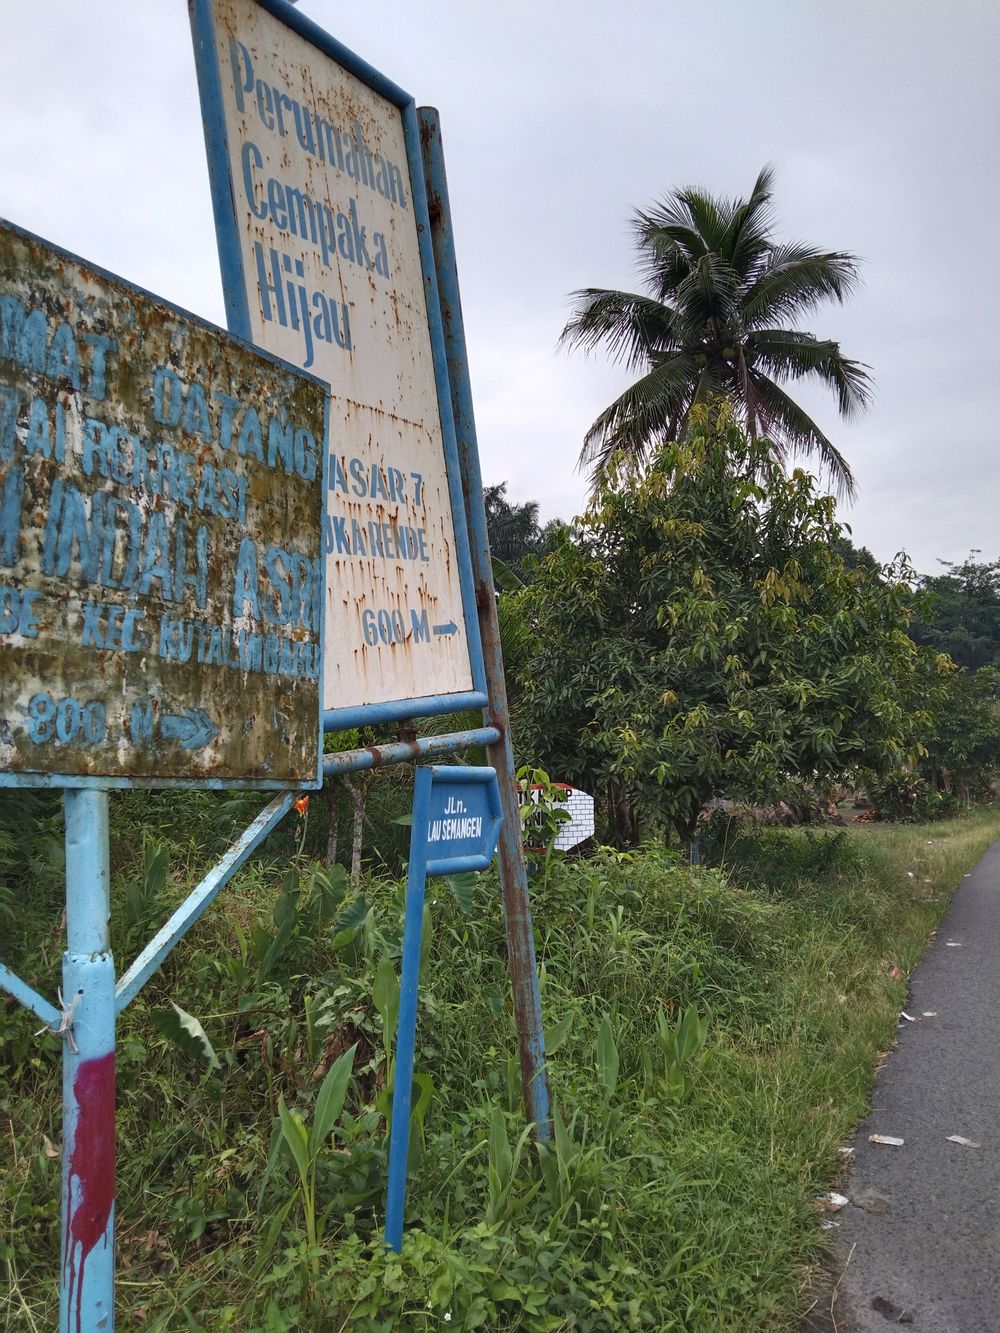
{"x":921,"y":1236}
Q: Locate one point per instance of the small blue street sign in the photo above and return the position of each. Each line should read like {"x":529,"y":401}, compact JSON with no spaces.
{"x":461,"y":817}
{"x":456,"y":824}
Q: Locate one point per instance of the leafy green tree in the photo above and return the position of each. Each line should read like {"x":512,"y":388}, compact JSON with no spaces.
{"x":855,"y":557}
{"x":961,"y":614}
{"x":703,"y":638}
{"x":961,"y":753}
{"x":516,"y":536}
{"x":718,"y":316}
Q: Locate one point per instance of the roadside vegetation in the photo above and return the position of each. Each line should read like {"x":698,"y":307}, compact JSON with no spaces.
{"x":705,"y":634}
{"x":712,"y":1036}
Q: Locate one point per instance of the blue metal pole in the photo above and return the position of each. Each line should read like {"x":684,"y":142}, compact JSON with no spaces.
{"x":406,"y":1027}
{"x":87,"y":1281}
{"x":406,"y":752}
{"x":199,"y":900}
{"x":513,"y":872}
{"x":28,"y":996}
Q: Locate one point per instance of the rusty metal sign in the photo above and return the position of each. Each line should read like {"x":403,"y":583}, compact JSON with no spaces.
{"x":161,"y":508}
{"x":320,"y":211}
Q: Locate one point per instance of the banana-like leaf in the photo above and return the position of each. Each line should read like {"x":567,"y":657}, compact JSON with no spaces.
{"x":463,"y":889}
{"x":352,"y":915}
{"x":557,"y":1034}
{"x":330,"y":1100}
{"x":607,"y":1057}
{"x":295,"y":1135}
{"x":186,"y":1033}
{"x":385,"y":993}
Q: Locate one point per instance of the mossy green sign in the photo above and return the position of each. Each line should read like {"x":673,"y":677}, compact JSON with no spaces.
{"x":161,"y":569}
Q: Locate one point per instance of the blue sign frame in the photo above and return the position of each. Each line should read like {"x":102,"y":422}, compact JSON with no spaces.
{"x":238,"y":318}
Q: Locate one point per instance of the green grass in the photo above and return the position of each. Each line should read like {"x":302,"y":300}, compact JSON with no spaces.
{"x":679,"y":1193}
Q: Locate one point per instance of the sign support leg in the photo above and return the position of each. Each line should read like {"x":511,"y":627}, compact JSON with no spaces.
{"x":406,"y":1027}
{"x":456,"y":823}
{"x":513,"y":872}
{"x":88,"y":1030}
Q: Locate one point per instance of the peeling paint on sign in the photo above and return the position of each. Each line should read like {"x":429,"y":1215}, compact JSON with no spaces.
{"x":161,"y":501}
{"x":321,"y":221}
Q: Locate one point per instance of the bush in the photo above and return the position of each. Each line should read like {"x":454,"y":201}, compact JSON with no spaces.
{"x":907,"y":798}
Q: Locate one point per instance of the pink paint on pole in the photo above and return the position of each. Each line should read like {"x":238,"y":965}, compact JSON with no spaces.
{"x":92,"y":1165}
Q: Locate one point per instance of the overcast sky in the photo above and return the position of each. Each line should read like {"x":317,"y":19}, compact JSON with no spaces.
{"x":880,"y":116}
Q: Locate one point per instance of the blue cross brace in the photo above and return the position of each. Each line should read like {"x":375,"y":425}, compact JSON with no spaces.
{"x":456,"y":824}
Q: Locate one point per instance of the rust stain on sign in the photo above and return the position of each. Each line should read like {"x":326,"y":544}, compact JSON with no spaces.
{"x":161,"y":565}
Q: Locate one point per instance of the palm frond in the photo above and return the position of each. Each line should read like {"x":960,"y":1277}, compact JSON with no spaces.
{"x":709,"y":217}
{"x":748,"y":234}
{"x":784,"y":419}
{"x":665,"y":256}
{"x":796,"y":279}
{"x":710,"y":385}
{"x":791,"y":354}
{"x":642,"y":416}
{"x":633,"y":328}
{"x":670,"y":221}
{"x":709,"y":293}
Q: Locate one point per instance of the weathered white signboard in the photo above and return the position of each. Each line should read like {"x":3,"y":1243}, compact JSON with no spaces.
{"x":318,"y":204}
{"x":578,"y":826}
{"x":161,"y":571}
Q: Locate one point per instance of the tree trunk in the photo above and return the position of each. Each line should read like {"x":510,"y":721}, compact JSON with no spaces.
{"x":622,"y":816}
{"x":358,"y":787}
{"x":330,"y":792}
{"x":687,"y":829}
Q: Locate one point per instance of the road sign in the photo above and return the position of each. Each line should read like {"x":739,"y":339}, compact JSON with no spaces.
{"x":161,"y":502}
{"x":460,"y":813}
{"x":578,"y":824}
{"x":324,"y":241}
{"x":456,"y":824}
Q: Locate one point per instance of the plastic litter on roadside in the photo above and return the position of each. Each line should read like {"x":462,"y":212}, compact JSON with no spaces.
{"x":889,"y":1140}
{"x":965,"y":1143}
{"x":909,"y":1018}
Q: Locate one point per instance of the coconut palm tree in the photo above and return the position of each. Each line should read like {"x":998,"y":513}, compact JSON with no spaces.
{"x":714,"y":320}
{"x":513,"y":529}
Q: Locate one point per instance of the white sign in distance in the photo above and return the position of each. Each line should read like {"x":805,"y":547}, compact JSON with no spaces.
{"x":578,"y":805}
{"x":321,"y":255}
